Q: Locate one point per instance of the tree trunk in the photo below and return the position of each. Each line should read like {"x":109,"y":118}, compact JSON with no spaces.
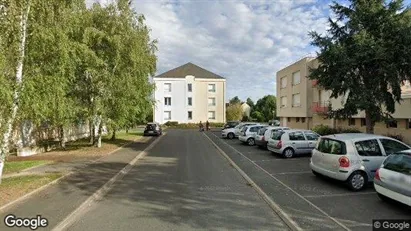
{"x":369,"y":123}
{"x":62,"y":138}
{"x":113,"y":137}
{"x":91,"y":128}
{"x":4,"y":149}
{"x":99,"y":125}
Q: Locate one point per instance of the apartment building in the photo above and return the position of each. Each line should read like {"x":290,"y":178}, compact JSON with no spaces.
{"x":189,"y":94}
{"x":301,"y":103}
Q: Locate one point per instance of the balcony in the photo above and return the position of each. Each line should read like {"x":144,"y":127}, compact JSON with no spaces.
{"x":320,"y":107}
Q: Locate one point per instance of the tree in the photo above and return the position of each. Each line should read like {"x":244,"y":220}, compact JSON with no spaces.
{"x":265,"y":109}
{"x":235,"y":100}
{"x":250,"y":103}
{"x":365,"y":58}
{"x":234,"y":112}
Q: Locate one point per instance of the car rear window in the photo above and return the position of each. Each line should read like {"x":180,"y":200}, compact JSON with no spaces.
{"x":262,"y":131}
{"x":150,"y":126}
{"x":331,"y":146}
{"x":398,"y":163}
{"x":277,"y":135}
{"x":244,"y":128}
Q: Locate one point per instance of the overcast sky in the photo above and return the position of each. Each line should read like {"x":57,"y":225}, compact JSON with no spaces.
{"x":246,"y":42}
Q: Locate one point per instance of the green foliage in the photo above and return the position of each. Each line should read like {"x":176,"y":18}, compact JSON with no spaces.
{"x":326,"y":130}
{"x":265,"y":109}
{"x":190,"y":125}
{"x":234,"y":112}
{"x":245,"y":118}
{"x":250,"y":103}
{"x":171,"y":123}
{"x":365,"y":58}
{"x":235,"y":100}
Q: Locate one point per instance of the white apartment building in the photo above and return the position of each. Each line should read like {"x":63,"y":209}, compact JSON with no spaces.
{"x":189,"y":94}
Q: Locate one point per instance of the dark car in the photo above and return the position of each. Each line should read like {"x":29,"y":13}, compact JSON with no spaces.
{"x":231,"y":124}
{"x":153,"y":129}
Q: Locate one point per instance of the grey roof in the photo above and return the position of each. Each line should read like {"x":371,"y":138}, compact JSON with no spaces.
{"x":189,"y":69}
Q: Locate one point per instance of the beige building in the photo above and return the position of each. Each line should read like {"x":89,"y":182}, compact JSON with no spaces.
{"x":303,"y":104}
{"x":189,"y":94}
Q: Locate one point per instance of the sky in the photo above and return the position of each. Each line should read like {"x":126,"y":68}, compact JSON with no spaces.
{"x":246,"y":42}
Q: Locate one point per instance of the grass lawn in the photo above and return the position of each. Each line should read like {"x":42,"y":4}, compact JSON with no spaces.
{"x":14,"y":187}
{"x":17,"y":166}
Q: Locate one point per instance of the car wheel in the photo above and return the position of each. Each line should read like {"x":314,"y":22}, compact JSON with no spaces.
{"x":357,"y":181}
{"x":251,"y":142}
{"x":230,"y":136}
{"x":288,"y":153}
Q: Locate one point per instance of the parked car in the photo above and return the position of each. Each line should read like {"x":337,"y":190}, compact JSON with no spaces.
{"x":232,"y":133}
{"x":292,"y":142}
{"x":247,"y":134}
{"x":153,"y":129}
{"x":352,"y":157}
{"x":264,"y":134}
{"x":231,"y":124}
{"x":239,"y":127}
{"x":393,"y":179}
{"x":274,"y":123}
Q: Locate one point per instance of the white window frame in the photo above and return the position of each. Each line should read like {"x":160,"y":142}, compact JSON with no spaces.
{"x":213,"y":101}
{"x":296,"y":104}
{"x":283,"y":82}
{"x":283,"y":101}
{"x":165,"y":101}
{"x":294,"y":79}
{"x":211,"y":87}
{"x":169,"y":113}
{"x":188,"y":101}
{"x":213,"y":117}
{"x":165,"y":88}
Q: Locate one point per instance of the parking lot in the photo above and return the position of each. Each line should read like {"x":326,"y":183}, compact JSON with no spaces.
{"x":314,"y":203}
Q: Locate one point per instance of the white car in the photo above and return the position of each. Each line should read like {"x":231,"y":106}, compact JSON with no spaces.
{"x":262,"y":136}
{"x":238,"y":128}
{"x":247,"y":134}
{"x":393,"y":179}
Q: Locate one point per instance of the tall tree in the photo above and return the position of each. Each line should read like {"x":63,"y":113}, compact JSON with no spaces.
{"x":365,"y":58}
{"x":250,"y":103}
{"x":234,"y":112}
{"x":235,"y":100}
{"x":265,"y":109}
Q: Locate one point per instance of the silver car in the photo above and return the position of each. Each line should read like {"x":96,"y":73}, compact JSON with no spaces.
{"x":292,"y":142}
{"x":264,"y":134}
{"x":237,"y":129}
{"x":352,"y":157}
{"x":393,"y":179}
{"x":247,"y":134}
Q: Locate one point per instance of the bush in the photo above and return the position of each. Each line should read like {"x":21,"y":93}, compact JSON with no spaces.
{"x":398,"y":137}
{"x":324,"y":130}
{"x":171,"y":123}
{"x":191,"y":125}
{"x":348,"y":130}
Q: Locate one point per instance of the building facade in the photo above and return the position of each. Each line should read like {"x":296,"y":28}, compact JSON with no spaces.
{"x":189,"y":94}
{"x":301,"y":103}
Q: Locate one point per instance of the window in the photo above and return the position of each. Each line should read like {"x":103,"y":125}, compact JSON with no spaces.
{"x":284,"y":101}
{"x":392,"y":124}
{"x":288,"y":119}
{"x":167,"y":115}
{"x":167,"y":87}
{"x":363,"y":123}
{"x":296,"y":136}
{"x":408,"y":124}
{"x":351,"y":122}
{"x":167,"y":101}
{"x":254,"y":129}
{"x":284,"y":82}
{"x":190,"y":101}
{"x":296,"y":100}
{"x":368,"y":148}
{"x":190,"y":115}
{"x":311,"y":136}
{"x":189,"y":87}
{"x":302,"y":120}
{"x":261,"y":132}
{"x":330,"y":146}
{"x":392,"y":146}
{"x":277,"y":135}
{"x":297,"y":119}
{"x":211,"y":87}
{"x":211,"y":115}
{"x":398,"y":163}
{"x":296,"y":78}
{"x":211,"y":101}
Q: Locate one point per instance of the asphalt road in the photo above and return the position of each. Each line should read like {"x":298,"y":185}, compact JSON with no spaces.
{"x":182,"y":184}
{"x":313,"y":203}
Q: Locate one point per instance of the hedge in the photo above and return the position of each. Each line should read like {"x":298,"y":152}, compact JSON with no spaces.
{"x":326,"y":130}
{"x":175,"y":124}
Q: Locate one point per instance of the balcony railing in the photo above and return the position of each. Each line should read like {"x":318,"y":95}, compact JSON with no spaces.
{"x":320,"y":107}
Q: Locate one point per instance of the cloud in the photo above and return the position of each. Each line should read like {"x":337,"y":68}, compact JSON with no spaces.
{"x":245,"y":41}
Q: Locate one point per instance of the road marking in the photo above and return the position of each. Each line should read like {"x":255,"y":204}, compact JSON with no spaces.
{"x":101,"y":192}
{"x":340,"y":194}
{"x":292,"y":190}
{"x":285,"y":173}
{"x":276,"y":208}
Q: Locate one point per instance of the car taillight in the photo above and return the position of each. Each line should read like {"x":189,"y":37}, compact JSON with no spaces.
{"x":344,"y":162}
{"x":280,"y":144}
{"x":377,"y":175}
{"x":263,"y":139}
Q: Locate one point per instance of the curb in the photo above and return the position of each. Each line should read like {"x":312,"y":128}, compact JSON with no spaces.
{"x":4,"y":207}
{"x":276,"y":208}
{"x":21,"y":173}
